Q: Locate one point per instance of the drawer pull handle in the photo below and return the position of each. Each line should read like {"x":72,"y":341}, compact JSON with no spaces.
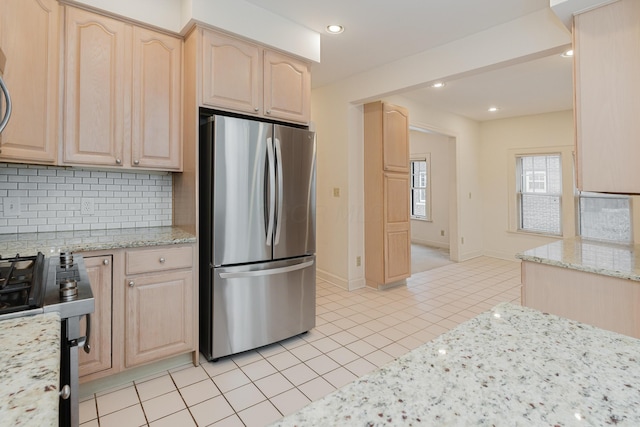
{"x":105,"y":262}
{"x":162,"y":260}
{"x":131,"y":283}
{"x":118,"y":161}
{"x":136,"y":162}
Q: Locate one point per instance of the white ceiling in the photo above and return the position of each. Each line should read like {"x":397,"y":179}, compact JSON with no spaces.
{"x":380,"y":31}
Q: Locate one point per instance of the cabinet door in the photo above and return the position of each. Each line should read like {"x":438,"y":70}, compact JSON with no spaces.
{"x":100,"y":275}
{"x":397,"y":227}
{"x":29,"y":39}
{"x":231,"y":73}
{"x":607,"y":66}
{"x":96,"y":92}
{"x":287,"y":87}
{"x":395,"y":138}
{"x":158,"y":316}
{"x":155,"y":139}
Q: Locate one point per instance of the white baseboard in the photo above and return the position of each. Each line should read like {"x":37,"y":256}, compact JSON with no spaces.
{"x":339,"y":281}
{"x":466,"y":256}
{"x":431,"y":243}
{"x":509,"y":256}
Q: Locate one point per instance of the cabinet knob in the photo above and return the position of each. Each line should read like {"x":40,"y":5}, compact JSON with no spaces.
{"x":268,"y":111}
{"x":136,"y":162}
{"x":256,"y":109}
{"x":118,"y":161}
{"x":65,"y":392}
{"x":131,"y":283}
{"x":105,"y":262}
{"x":162,"y":260}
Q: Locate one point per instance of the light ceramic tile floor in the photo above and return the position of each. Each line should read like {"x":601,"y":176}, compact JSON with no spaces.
{"x":356,"y":332}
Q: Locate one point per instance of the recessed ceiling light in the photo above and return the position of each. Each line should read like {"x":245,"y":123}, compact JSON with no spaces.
{"x":335,"y":29}
{"x":438,"y":85}
{"x":493,"y":109}
{"x":567,"y":54}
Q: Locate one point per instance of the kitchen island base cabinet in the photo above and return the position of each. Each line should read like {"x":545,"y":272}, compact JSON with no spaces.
{"x":606,"y":302}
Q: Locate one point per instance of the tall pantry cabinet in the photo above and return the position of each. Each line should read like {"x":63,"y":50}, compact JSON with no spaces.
{"x":386,"y":195}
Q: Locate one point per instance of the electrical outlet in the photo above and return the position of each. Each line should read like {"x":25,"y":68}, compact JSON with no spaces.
{"x":442,"y":232}
{"x":358,"y":261}
{"x":87,"y":207}
{"x":11,"y":206}
{"x":336,"y":192}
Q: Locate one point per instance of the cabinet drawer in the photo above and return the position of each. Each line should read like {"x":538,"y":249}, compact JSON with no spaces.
{"x":150,"y":260}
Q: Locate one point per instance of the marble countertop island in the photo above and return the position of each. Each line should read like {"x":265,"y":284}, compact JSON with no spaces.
{"x":621,"y":261}
{"x":30,"y":374}
{"x":510,"y":366}
{"x":93,"y":240}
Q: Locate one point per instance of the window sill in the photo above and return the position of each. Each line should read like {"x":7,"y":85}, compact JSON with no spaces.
{"x":415,"y":218}
{"x":537,"y":234}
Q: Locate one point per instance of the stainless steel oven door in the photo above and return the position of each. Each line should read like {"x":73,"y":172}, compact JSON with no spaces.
{"x":71,"y":342}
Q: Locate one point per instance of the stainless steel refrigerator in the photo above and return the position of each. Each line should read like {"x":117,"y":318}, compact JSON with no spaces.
{"x":257,"y":233}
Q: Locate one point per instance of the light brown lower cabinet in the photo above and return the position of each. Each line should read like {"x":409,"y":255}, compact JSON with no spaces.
{"x":606,"y":302}
{"x":145,"y":308}
{"x":159,"y":317}
{"x":99,"y":269}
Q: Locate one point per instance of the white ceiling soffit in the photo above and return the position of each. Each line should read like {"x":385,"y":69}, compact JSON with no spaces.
{"x":566,"y":9}
{"x":378,"y":31}
{"x":235,"y":16}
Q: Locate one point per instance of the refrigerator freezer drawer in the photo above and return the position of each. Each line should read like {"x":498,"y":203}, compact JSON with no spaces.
{"x":260,"y":304}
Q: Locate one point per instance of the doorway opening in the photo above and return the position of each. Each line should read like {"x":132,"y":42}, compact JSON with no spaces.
{"x":433,"y":198}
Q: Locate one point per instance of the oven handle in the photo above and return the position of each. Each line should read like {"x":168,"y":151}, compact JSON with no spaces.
{"x":84,"y":342}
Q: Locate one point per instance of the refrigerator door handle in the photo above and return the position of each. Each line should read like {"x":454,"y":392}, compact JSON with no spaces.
{"x":258,"y":273}
{"x":272,"y":191}
{"x":280,"y":191}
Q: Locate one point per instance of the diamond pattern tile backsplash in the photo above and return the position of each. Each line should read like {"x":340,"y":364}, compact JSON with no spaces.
{"x":49,"y":198}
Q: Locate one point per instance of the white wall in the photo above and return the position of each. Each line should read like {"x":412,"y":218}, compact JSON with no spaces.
{"x":439,"y":149}
{"x":497,"y":138}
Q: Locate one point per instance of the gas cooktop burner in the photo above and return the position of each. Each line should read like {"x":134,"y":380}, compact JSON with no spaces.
{"x":21,"y":283}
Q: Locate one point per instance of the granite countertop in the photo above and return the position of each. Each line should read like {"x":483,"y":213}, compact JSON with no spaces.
{"x":94,"y":240}
{"x":509,"y":366}
{"x":30,"y":374}
{"x":621,"y":261}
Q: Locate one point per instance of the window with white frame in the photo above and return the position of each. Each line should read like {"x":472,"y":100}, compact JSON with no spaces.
{"x":539,"y":193}
{"x":604,"y":217}
{"x":420,"y":188}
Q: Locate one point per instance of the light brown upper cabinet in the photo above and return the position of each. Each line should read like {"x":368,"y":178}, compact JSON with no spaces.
{"x":29,"y":39}
{"x":386,"y":195}
{"x":287,"y":87}
{"x":607,"y":91}
{"x":122,"y":99}
{"x":231,"y":73}
{"x":157,"y":62}
{"x":244,"y":77}
{"x":395,"y":130}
